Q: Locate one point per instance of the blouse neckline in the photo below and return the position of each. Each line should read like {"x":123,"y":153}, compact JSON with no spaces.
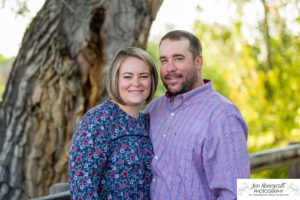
{"x":122,"y":112}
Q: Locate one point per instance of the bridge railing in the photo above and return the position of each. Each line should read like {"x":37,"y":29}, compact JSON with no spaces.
{"x":260,"y":161}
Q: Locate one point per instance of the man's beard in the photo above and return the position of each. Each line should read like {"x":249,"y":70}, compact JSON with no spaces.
{"x":187,"y":84}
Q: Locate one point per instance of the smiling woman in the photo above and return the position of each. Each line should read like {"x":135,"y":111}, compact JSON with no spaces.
{"x":135,"y":56}
{"x":56,"y":77}
{"x":134,"y":84}
{"x":111,"y":150}
{"x":132,"y":80}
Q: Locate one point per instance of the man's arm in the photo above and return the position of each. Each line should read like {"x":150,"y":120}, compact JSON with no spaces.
{"x":226,"y":156}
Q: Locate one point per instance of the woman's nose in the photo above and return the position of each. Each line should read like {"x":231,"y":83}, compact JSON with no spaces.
{"x":136,"y":81}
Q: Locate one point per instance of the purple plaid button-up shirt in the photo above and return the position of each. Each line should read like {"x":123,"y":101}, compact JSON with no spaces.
{"x":200,"y":146}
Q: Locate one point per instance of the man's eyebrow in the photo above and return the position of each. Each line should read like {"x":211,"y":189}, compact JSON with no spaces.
{"x":178,"y":55}
{"x":173,"y":56}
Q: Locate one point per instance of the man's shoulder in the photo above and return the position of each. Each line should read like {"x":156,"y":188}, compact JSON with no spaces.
{"x":222,"y":105}
{"x":155,"y":104}
{"x":222,"y":100}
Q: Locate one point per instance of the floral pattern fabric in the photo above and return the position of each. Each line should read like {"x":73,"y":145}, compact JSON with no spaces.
{"x":110,"y":155}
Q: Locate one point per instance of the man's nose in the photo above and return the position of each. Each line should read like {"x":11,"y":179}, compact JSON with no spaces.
{"x":170,"y":66}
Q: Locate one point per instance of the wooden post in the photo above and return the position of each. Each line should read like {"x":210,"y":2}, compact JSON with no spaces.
{"x":294,"y":168}
{"x":58,"y":188}
{"x":58,"y":191}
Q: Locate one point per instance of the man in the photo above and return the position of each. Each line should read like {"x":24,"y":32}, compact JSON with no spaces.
{"x":199,"y":137}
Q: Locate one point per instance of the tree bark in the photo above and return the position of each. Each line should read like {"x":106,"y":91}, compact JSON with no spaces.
{"x":57,"y":76}
{"x":267,"y":37}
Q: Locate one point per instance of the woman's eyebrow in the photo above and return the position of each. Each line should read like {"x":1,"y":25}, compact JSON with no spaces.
{"x":129,"y":73}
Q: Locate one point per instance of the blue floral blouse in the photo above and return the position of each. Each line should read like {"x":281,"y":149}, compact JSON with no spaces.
{"x":110,"y":155}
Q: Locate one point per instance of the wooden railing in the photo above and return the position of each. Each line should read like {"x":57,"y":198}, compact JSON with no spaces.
{"x":274,"y":158}
{"x":260,"y":161}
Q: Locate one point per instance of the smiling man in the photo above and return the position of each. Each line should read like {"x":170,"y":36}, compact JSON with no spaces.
{"x":199,"y":137}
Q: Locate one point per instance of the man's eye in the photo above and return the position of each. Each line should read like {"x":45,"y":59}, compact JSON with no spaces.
{"x":162,"y":61}
{"x":178,"y":58}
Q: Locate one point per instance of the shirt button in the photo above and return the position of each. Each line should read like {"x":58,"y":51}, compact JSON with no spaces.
{"x":172,"y":114}
{"x":164,"y":135}
{"x":156,"y":157}
{"x":153,"y":180}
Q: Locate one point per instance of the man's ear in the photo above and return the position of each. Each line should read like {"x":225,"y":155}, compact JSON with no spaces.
{"x":199,"y":62}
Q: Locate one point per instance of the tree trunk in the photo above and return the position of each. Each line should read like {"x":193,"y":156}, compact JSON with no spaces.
{"x":267,"y":37}
{"x":57,"y":76}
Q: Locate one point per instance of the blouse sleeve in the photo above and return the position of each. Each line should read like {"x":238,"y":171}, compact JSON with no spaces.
{"x":87,"y":157}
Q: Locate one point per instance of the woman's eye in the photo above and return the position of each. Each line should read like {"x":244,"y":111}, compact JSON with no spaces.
{"x":126,"y":77}
{"x":144,"y":77}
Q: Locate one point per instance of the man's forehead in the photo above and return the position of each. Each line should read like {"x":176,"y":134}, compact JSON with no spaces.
{"x":173,"y":47}
{"x":177,"y":40}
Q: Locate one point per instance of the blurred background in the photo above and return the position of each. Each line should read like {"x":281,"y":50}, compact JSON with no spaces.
{"x":251,"y":51}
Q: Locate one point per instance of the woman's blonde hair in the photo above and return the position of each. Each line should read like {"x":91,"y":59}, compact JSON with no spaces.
{"x":112,"y":79}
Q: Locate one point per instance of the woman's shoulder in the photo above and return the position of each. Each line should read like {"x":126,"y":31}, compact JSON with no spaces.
{"x":145,"y":116}
{"x":105,"y":108}
{"x":145,"y":119}
{"x":101,"y":114}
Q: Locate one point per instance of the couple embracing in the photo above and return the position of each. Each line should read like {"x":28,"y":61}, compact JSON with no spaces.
{"x":190,"y":143}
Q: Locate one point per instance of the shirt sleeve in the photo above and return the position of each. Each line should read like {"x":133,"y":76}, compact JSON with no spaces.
{"x":87,"y":158}
{"x":226,"y":156}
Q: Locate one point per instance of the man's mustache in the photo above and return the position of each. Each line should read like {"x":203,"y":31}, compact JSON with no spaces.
{"x":173,"y":75}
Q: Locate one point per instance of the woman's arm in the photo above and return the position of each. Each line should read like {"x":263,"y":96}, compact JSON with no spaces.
{"x":87,"y":157}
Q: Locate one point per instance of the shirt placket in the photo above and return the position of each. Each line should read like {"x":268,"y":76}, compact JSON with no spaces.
{"x":173,"y":105}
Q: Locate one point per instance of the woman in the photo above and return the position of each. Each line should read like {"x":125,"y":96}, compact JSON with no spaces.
{"x":111,"y":151}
